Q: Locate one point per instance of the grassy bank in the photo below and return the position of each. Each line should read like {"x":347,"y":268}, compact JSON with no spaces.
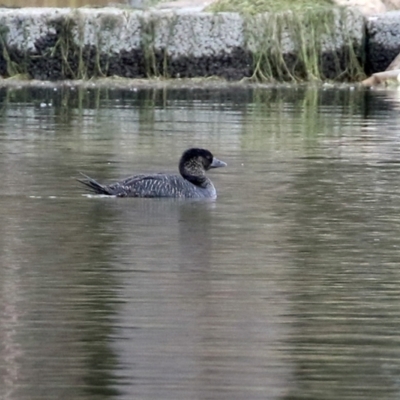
{"x":252,"y":7}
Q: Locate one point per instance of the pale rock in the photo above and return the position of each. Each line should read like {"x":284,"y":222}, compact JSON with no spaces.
{"x":367,"y":7}
{"x":392,"y":4}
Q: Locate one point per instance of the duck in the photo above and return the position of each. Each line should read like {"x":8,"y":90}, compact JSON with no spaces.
{"x":191,"y":183}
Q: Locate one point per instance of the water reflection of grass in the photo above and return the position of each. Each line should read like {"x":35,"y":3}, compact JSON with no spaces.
{"x":301,"y":118}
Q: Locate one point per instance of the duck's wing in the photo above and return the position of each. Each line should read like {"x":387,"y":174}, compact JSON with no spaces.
{"x":155,"y":185}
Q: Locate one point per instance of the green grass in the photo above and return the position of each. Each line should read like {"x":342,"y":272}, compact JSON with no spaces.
{"x":309,"y":25}
{"x":260,"y":6}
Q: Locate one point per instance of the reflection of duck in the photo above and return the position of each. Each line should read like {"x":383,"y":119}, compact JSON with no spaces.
{"x":192,"y":184}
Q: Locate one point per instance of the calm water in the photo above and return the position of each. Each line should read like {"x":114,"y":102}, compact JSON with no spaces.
{"x":286,"y":287}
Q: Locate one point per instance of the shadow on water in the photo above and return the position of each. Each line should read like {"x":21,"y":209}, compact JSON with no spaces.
{"x":285,"y":287}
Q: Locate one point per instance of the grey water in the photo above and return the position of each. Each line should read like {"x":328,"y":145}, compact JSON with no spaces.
{"x":285,"y":287}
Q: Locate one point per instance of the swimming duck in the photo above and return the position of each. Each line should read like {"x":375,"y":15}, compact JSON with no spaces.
{"x":193,"y":183}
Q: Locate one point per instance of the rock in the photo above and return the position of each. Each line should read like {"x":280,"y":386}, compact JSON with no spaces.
{"x":367,"y":7}
{"x":382,"y":78}
{"x":383,"y":45}
{"x":185,"y":5}
{"x":392,"y":5}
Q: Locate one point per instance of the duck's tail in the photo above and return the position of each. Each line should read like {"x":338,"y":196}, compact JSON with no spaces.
{"x":94,"y":186}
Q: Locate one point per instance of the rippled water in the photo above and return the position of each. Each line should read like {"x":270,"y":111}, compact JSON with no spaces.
{"x":286,"y":287}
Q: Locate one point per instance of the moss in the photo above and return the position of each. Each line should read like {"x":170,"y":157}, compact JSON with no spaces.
{"x":109,"y":22}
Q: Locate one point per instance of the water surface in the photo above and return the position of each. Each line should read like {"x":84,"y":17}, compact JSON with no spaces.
{"x":286,"y":287}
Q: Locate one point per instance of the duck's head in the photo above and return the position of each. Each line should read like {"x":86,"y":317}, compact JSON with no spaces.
{"x":195,"y":162}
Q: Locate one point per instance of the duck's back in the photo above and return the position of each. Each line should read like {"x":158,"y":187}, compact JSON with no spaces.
{"x":160,"y":185}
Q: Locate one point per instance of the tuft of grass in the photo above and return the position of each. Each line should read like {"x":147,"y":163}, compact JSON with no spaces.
{"x":297,"y":40}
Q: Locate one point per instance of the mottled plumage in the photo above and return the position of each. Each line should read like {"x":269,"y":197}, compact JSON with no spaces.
{"x":192,"y":183}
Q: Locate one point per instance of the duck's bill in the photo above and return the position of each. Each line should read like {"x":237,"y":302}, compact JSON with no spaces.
{"x":217,"y":163}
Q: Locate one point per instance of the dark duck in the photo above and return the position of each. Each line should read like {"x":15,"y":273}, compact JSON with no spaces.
{"x":192,"y":183}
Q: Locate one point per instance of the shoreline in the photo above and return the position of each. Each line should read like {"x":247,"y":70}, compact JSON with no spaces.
{"x":118,"y":83}
{"x":53,"y":44}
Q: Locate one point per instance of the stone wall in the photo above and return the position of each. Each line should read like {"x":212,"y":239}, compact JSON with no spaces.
{"x":53,"y":44}
{"x":383,"y":41}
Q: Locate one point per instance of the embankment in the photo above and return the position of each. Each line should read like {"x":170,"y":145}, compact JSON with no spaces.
{"x":56,"y":44}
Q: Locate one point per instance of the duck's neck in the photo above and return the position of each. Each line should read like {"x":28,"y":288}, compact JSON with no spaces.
{"x":194,"y":173}
{"x":197,"y":180}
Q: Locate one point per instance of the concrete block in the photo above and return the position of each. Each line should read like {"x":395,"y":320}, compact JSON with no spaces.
{"x":51,"y":43}
{"x":197,"y":35}
{"x":111,"y":30}
{"x":383,"y":45}
{"x":22,"y":28}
